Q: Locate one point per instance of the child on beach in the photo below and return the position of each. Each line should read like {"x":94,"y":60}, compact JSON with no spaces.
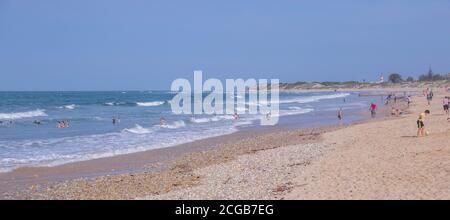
{"x":421,"y":124}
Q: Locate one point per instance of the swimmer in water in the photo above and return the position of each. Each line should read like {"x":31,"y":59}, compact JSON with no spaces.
{"x":236,"y":116}
{"x":162,"y":121}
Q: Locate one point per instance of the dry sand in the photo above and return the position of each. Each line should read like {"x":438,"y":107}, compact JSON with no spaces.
{"x":379,"y":159}
{"x":383,"y":160}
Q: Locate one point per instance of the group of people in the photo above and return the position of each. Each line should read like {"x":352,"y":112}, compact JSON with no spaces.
{"x":396,"y":112}
{"x":6,"y":122}
{"x":62,"y":124}
{"x":373,"y":111}
{"x":429,"y":94}
{"x":421,"y":120}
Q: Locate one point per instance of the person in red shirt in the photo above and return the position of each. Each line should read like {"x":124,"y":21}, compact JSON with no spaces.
{"x":373,"y":108}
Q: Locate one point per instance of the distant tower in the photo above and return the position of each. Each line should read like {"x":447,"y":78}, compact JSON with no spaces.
{"x":430,"y":73}
{"x":381,"y":78}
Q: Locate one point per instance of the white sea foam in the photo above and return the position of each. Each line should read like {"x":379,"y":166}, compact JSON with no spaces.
{"x":200,"y":120}
{"x":212,"y":119}
{"x":297,"y":111}
{"x":20,"y":115}
{"x":222,"y":117}
{"x":174,"y":125}
{"x":315,"y":98}
{"x":149,"y":104}
{"x":137,"y":129}
{"x":57,"y":151}
{"x":71,"y":107}
{"x":302,"y":100}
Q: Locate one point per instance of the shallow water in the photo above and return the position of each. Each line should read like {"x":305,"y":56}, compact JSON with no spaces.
{"x":91,"y":133}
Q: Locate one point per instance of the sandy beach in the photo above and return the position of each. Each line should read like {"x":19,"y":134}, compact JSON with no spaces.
{"x":380,"y":159}
{"x":372,"y":159}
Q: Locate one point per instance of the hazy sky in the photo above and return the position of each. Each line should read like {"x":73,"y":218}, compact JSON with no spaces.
{"x":130,"y":44}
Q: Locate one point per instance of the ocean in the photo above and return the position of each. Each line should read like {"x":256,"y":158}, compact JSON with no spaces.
{"x":91,"y":133}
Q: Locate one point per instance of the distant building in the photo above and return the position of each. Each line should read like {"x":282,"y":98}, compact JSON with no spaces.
{"x":381,"y":78}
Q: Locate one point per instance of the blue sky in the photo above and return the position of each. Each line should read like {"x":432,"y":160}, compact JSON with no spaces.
{"x":115,"y":45}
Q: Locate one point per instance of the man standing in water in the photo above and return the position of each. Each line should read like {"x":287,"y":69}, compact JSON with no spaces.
{"x":373,"y":108}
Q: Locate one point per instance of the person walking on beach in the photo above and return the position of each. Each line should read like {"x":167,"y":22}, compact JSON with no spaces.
{"x":408,"y":100}
{"x":421,"y":123}
{"x":340,"y":114}
{"x":429,"y":98}
{"x":445,"y":103}
{"x":373,"y":109}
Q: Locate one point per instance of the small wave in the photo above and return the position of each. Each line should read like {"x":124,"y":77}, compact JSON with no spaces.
{"x":138,"y":130}
{"x":100,"y":118}
{"x":301,"y":100}
{"x":212,"y":119}
{"x":316,"y":98}
{"x":71,"y":107}
{"x":294,"y":112}
{"x":118,"y":104}
{"x":174,"y":125}
{"x":149,"y":104}
{"x":19,"y":115}
{"x":222,"y":117}
{"x":200,"y":120}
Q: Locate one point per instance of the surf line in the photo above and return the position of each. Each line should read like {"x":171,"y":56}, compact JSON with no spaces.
{"x":258,"y":95}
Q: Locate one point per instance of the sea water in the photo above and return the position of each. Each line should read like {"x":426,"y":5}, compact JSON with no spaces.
{"x":91,"y":133}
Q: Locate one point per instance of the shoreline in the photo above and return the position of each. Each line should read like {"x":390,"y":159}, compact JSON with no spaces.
{"x":162,"y":164}
{"x":148,"y":164}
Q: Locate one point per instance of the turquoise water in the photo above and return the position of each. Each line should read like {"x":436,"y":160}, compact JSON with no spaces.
{"x":91,"y":133}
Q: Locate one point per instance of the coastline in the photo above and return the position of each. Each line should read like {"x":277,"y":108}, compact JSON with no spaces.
{"x":31,"y":181}
{"x":187,"y":170}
